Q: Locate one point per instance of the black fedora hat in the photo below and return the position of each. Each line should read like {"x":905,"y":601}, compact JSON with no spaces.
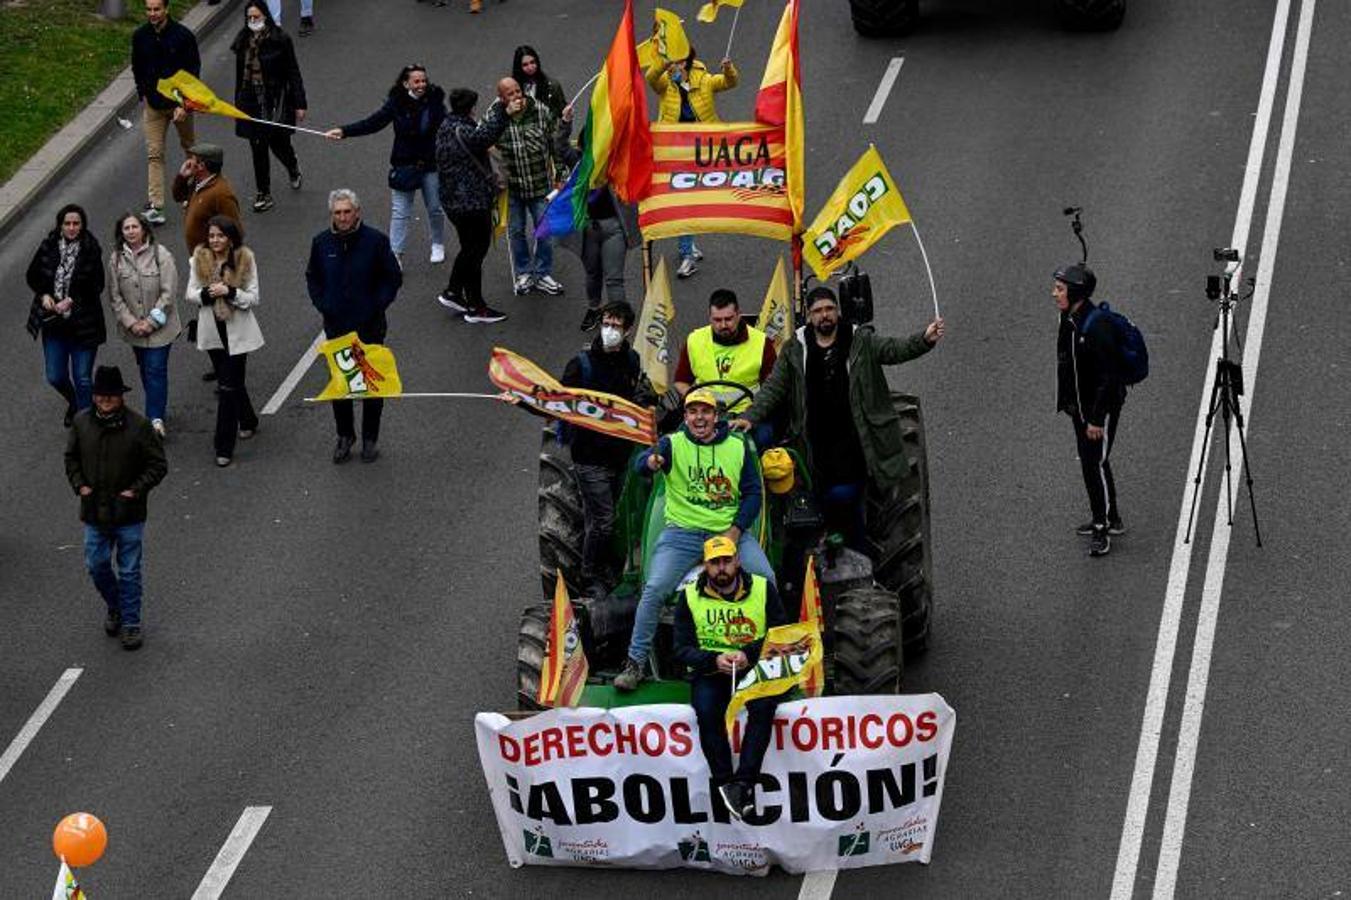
{"x":108,"y":381}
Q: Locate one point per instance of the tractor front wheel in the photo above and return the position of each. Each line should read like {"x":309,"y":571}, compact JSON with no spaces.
{"x":867,"y":656}
{"x":531,"y":643}
{"x":560,"y":521}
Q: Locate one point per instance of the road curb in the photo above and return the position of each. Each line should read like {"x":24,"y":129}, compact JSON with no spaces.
{"x":55,"y":158}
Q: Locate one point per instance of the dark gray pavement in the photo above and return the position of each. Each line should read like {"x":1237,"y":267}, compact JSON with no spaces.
{"x":319,"y":638}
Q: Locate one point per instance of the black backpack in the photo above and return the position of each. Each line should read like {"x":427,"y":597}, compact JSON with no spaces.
{"x":1129,"y":341}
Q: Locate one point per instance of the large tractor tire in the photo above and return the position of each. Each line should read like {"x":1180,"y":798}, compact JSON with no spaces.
{"x":884,"y":18}
{"x":1091,"y":15}
{"x":531,"y":643}
{"x":898,"y":528}
{"x":560,"y":521}
{"x":867,"y":657}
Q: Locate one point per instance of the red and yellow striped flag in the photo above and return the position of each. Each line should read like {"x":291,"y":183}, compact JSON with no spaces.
{"x":536,"y":389}
{"x":779,"y":102}
{"x":563,"y":675}
{"x":814,"y":681}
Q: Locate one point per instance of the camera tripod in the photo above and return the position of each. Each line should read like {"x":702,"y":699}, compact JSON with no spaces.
{"x":1224,"y":400}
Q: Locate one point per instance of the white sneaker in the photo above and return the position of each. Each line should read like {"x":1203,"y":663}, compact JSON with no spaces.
{"x":158,"y":425}
{"x":452,"y":302}
{"x":695,"y":253}
{"x":438,"y":254}
{"x":524,"y":283}
{"x":687,"y":267}
{"x":398,"y":258}
{"x":547,"y":285}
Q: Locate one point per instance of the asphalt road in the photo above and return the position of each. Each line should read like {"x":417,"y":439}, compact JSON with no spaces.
{"x":319,"y":637}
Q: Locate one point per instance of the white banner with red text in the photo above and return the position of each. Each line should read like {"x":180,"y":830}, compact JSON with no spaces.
{"x":847,"y":782}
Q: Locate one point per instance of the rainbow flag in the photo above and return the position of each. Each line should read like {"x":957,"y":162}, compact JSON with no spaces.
{"x":616,"y":142}
{"x":563,"y":674}
{"x":779,"y":102}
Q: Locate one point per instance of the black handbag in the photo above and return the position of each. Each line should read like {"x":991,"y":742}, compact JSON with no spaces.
{"x":405,"y":178}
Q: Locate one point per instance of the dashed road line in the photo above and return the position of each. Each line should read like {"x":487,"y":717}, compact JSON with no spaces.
{"x":883,"y":90}
{"x":298,"y":372}
{"x":818,"y":885}
{"x":231,"y":852}
{"x":37,"y":720}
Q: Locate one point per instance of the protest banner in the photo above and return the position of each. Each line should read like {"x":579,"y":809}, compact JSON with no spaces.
{"x":847,"y":782}
{"x":536,"y":389}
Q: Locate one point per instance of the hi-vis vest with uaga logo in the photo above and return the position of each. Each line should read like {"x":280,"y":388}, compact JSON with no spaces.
{"x":703,"y":488}
{"x":711,"y":361}
{"x":724,"y":625}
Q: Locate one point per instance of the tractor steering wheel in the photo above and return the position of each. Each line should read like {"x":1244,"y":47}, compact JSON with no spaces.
{"x":725,"y":406}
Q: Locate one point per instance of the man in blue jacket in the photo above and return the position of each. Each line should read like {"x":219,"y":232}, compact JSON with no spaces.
{"x":352,"y":278}
{"x":159,"y":48}
{"x":712,"y":488}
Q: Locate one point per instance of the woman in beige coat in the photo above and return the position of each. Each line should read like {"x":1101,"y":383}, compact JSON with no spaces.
{"x":223,"y":282}
{"x":143,"y":294}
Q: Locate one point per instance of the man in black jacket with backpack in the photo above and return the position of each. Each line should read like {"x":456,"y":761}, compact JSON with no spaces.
{"x":611,"y":365}
{"x":1090,"y":389}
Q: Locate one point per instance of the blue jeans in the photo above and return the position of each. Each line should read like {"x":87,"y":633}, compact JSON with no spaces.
{"x":676,"y":552}
{"x":521,"y":260}
{"x":685,"y":244}
{"x":122,"y":590}
{"x":70,"y":369}
{"x":401,"y":205}
{"x":154,"y":365}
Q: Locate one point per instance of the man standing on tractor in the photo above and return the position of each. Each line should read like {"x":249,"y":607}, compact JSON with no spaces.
{"x":727,"y":349}
{"x":830,"y":383}
{"x":712,"y":488}
{"x":720,"y":625}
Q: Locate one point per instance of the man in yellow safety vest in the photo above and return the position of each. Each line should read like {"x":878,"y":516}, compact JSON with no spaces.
{"x":727,"y":349}
{"x":720,"y":624}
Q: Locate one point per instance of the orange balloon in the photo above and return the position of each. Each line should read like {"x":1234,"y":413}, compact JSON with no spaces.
{"x":80,"y":839}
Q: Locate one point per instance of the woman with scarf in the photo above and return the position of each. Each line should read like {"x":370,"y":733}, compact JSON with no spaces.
{"x":66,"y":277}
{"x":526,"y":69}
{"x":142,"y":291}
{"x":267,"y":86}
{"x":223,"y":281}
{"x":415,"y":107}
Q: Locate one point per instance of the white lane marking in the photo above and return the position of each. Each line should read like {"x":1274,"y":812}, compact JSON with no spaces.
{"x":1198,"y":678}
{"x":231,"y":852}
{"x":298,"y":372}
{"x":883,"y":90}
{"x":37,"y":720}
{"x":1165,"y":648}
{"x":818,"y":885}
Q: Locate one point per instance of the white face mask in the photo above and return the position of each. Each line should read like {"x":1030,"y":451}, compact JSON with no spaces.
{"x":610,"y":337}
{"x":256,"y":25}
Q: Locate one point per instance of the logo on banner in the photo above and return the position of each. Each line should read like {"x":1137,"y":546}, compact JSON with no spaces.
{"x":537,"y":843}
{"x":903,"y":839}
{"x":856,"y":844}
{"x":744,"y":855}
{"x":693,"y":849}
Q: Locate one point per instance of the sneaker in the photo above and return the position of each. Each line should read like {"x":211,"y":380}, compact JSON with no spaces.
{"x":223,"y":461}
{"x":438,"y":254}
{"x":1114,"y":528}
{"x":591,"y":319}
{"x":247,"y":434}
{"x":154,"y":215}
{"x":1099,"y":544}
{"x":739,"y":799}
{"x":263,"y":202}
{"x":370,"y":452}
{"x":112,"y":623}
{"x":452,"y":302}
{"x":629,"y":677}
{"x":398,"y":258}
{"x":297,"y":177}
{"x":546,"y":284}
{"x":131,"y":637}
{"x":484,"y":315}
{"x":306,"y":26}
{"x":158,"y":425}
{"x":523,"y":284}
{"x":342,"y":451}
{"x":695,"y":253}
{"x":687,"y":267}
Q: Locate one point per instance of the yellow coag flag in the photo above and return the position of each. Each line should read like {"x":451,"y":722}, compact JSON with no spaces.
{"x":563,"y":673}
{"x":357,"y":370}
{"x":866,"y":204}
{"x":655,"y":324}
{"x":776,"y":313}
{"x":786,"y":659}
{"x":668,"y":35}
{"x":709,"y":11}
{"x":67,"y":888}
{"x":187,"y":91}
{"x":500,"y":215}
{"x":815,"y":681}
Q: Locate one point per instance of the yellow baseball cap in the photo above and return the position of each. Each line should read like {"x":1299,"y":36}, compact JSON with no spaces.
{"x":702,"y":395}
{"x":778,"y":468}
{"x":718,"y":547}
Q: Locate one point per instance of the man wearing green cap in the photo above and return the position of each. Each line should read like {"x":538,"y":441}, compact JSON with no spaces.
{"x":712,"y":488}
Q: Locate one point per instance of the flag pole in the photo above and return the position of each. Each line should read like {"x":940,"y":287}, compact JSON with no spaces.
{"x":577,"y":96}
{"x":399,"y":396}
{"x":292,"y":127}
{"x":731,"y":34}
{"x":925,"y":256}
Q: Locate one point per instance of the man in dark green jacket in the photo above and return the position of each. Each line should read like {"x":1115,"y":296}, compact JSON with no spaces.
{"x":829,"y":381}
{"x":113,"y":459}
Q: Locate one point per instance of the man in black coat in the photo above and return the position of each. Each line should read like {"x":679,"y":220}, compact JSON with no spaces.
{"x":1090,"y":391}
{"x":352,"y":278}
{"x":113,"y":459}
{"x":159,"y":48}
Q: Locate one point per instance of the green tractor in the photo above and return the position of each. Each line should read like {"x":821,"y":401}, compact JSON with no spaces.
{"x":877,"y":606}
{"x":893,"y":18}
